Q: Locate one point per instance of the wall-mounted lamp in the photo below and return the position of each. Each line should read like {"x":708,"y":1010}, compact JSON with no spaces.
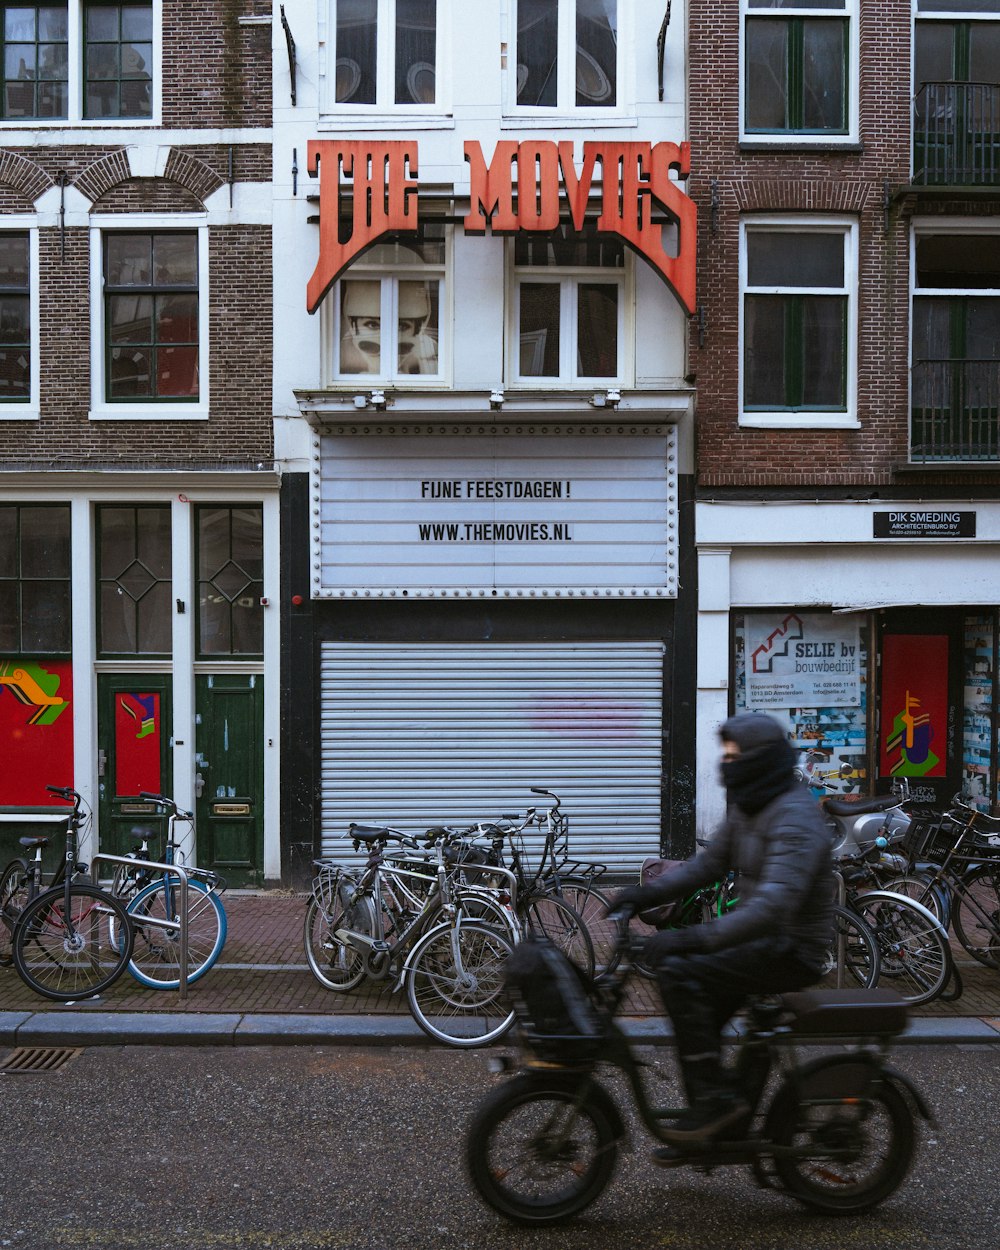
{"x":378,"y":400}
{"x":606,"y":399}
{"x":496,"y":399}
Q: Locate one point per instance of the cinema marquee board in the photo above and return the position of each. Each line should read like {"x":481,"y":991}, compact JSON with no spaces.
{"x":568,"y":513}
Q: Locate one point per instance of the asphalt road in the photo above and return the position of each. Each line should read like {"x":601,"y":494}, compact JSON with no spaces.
{"x":307,"y":1148}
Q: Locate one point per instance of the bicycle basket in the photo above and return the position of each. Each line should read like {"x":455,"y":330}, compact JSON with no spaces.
{"x":554,"y":1003}
{"x":928,"y":838}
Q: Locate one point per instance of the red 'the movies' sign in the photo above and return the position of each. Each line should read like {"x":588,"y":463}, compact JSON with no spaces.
{"x":635,"y":179}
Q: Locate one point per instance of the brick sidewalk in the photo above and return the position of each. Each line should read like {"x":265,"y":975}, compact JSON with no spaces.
{"x":263,"y":970}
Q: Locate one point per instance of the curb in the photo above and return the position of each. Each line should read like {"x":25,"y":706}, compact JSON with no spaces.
{"x":120,"y":1028}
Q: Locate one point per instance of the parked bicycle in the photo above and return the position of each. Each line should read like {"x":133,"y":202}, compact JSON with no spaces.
{"x":837,"y":1133}
{"x":21,"y":880}
{"x":62,"y":944}
{"x":953,"y":869}
{"x":914,"y":952}
{"x":407,"y":919}
{"x":153,"y":896}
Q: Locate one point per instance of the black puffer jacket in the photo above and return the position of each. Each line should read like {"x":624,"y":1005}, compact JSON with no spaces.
{"x":783,"y":861}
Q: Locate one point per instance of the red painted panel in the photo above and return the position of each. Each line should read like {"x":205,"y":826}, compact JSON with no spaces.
{"x":36,"y":730}
{"x":138,"y":729}
{"x":914,"y":705}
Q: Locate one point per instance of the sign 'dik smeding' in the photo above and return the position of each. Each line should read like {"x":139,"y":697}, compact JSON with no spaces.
{"x":924,"y":523}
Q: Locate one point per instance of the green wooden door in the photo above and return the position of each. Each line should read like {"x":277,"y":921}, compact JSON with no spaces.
{"x":134,"y":729}
{"x":230,"y":765}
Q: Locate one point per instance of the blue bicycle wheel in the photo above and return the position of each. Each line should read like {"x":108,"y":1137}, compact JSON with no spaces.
{"x":156,"y":955}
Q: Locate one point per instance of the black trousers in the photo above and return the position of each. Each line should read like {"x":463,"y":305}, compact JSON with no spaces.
{"x":702,"y":992}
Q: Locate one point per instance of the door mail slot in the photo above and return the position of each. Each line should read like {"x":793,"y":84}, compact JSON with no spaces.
{"x":230,"y":809}
{"x":140,"y":809}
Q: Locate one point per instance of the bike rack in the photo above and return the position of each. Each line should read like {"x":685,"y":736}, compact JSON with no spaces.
{"x":181,"y":925}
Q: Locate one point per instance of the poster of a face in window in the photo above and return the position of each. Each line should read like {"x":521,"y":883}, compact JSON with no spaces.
{"x":802,"y":659}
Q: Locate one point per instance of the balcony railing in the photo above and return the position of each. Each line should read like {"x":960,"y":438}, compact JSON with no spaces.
{"x":956,"y":135}
{"x":955,"y":411}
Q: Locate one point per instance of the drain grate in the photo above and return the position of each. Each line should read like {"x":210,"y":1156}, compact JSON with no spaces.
{"x":39,"y":1058}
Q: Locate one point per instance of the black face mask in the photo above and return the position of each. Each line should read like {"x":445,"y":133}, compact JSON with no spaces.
{"x":754,"y":779}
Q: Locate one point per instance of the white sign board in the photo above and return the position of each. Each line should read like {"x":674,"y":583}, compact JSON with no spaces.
{"x":490,"y":514}
{"x":799,"y":659}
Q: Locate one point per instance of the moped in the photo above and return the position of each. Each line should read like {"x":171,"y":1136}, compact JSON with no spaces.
{"x":836,"y":1132}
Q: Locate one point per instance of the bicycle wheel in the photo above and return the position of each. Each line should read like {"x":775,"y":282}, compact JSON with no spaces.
{"x":550,"y":916}
{"x":483,"y":905}
{"x":335,"y":964}
{"x":919,"y":888}
{"x":127,"y":880}
{"x":13,"y":896}
{"x":454,"y":983}
{"x":853,"y":959}
{"x":845,"y":1156}
{"x":68,"y":954}
{"x":156,"y":955}
{"x":537,"y":1152}
{"x":976,"y":916}
{"x":913,"y":947}
{"x":592,"y":905}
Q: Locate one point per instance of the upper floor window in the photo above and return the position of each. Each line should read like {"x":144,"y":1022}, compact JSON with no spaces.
{"x":798,"y":59}
{"x":385,"y":52}
{"x":36,"y":61}
{"x":956,"y":70}
{"x":955,"y":367}
{"x":798,"y":322}
{"x":34,"y":579}
{"x":15,"y":317}
{"x":149,"y":324}
{"x":388,"y":310}
{"x":566,"y":54}
{"x":568,"y":304}
{"x":78,"y":61}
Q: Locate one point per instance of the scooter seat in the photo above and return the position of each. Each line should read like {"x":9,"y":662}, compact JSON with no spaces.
{"x":846,"y":1012}
{"x":858,"y":807}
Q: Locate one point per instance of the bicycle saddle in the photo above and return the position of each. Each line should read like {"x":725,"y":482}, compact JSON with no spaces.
{"x":844,"y":1012}
{"x":858,"y":807}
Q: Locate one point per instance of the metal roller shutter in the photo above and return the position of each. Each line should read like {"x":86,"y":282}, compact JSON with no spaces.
{"x":424,"y":734}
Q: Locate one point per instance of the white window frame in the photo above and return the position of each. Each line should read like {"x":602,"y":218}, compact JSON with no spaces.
{"x":797,"y":223}
{"x":101,"y":409}
{"x":568,"y":278}
{"x":401,"y":116}
{"x":566,"y":110}
{"x":76,"y":85}
{"x":848,"y":11}
{"x":29,"y":409}
{"x":921,"y":227}
{"x":389,"y":276}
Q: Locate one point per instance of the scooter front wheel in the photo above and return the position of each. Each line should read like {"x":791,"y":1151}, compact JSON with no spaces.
{"x":841,"y":1148}
{"x":540,"y":1150}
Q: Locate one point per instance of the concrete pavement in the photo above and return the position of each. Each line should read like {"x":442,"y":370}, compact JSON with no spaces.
{"x":262,"y":992}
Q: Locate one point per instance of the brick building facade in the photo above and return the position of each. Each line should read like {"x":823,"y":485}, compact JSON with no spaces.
{"x":847,"y":173}
{"x":138,"y":496}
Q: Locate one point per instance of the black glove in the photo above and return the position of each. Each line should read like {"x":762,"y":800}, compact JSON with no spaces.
{"x":670,"y":942}
{"x":632,"y":899}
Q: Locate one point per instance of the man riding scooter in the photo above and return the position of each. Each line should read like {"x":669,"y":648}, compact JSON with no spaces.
{"x":777,"y":938}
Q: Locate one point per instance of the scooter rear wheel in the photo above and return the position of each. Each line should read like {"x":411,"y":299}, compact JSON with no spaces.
{"x":847,"y":1156}
{"x":537,"y":1154}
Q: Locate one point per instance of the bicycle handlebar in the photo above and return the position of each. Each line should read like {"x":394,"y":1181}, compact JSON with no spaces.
{"x":168,"y":803}
{"x":67,"y":793}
